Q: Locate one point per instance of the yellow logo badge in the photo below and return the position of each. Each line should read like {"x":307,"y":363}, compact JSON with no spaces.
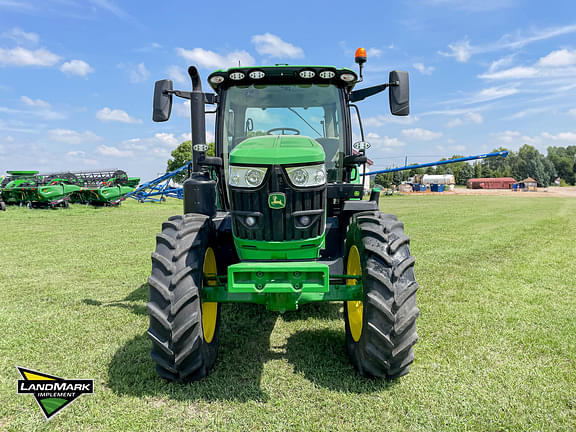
{"x":277,"y":200}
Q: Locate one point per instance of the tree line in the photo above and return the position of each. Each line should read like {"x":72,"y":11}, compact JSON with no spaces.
{"x":560,"y":162}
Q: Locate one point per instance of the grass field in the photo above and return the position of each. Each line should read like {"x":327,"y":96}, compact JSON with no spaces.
{"x":497,"y":328}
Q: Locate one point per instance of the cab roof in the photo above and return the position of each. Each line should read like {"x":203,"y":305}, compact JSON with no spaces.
{"x":282,"y":74}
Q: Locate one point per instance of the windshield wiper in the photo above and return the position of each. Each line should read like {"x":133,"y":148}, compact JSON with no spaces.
{"x":304,"y":120}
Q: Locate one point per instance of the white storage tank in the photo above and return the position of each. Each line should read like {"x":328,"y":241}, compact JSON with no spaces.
{"x":444,"y":179}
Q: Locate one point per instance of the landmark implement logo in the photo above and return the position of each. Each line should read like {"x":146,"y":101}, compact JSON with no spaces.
{"x":51,"y":392}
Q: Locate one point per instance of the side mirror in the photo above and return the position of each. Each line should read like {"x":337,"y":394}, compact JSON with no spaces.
{"x":162,"y":100}
{"x":399,"y":93}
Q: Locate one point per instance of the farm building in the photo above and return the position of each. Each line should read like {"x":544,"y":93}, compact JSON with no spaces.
{"x":490,"y":183}
{"x":528,"y":184}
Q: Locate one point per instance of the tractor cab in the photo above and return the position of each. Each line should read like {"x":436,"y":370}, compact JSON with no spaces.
{"x":305,"y":103}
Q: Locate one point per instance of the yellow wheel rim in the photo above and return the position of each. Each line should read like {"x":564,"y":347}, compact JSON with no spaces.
{"x":355,"y":308}
{"x":209,"y":309}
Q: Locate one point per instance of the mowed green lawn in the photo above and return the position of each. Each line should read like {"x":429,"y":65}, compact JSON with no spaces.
{"x":497,"y":327}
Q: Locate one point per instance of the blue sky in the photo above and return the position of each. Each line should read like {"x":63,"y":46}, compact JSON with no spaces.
{"x":76,"y":76}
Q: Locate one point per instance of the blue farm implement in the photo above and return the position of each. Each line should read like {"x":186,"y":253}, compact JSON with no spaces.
{"x":442,"y":162}
{"x":160,"y":188}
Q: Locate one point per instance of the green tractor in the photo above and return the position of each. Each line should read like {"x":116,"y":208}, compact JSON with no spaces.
{"x":277,"y":218}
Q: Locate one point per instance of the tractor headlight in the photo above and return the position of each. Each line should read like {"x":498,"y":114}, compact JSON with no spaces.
{"x":307,"y":176}
{"x":241,"y":176}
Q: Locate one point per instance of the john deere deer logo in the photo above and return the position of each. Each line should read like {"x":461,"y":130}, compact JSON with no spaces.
{"x":277,"y":200}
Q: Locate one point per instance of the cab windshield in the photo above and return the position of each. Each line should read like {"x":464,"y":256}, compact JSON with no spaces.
{"x":312,"y":110}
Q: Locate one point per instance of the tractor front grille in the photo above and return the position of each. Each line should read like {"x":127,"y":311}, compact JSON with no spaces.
{"x":278,"y":224}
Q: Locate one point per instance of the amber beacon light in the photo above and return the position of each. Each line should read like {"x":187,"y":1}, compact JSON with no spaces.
{"x":360,"y":58}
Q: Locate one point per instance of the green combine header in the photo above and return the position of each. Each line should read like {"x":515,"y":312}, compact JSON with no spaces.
{"x":104,"y":187}
{"x":32,"y":189}
{"x":12,"y":185}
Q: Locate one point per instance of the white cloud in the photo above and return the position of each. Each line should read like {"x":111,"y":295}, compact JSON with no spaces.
{"x":79,"y":157}
{"x":541,"y":141}
{"x":520,"y":40}
{"x":39,"y":108}
{"x":508,"y":136}
{"x":111,"y":7}
{"x":139,"y":74}
{"x":23,"y":57}
{"x":424,"y":70}
{"x":272,"y":46}
{"x":136,"y":144}
{"x":421,"y":134}
{"x":112,"y":151}
{"x":572,"y":112}
{"x":15,"y":126}
{"x":484,"y":95}
{"x":115,"y":115}
{"x":462,"y":51}
{"x":468,"y":118}
{"x":567,"y":137}
{"x":160,"y":143}
{"x":383,"y":142}
{"x":177,"y":74}
{"x":36,"y":103}
{"x":21,"y":37}
{"x":68,"y":136}
{"x":561,"y":57}
{"x":211,"y":60}
{"x":492,"y":93}
{"x":526,"y":113}
{"x":381,"y":120}
{"x":559,"y":63}
{"x":501,"y":63}
{"x":517,"y":72}
{"x":76,"y":67}
{"x":167,"y":139}
{"x":374,"y":52}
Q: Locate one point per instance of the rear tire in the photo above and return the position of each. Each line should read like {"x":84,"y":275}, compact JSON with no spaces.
{"x":382,"y":345}
{"x":181,"y":349}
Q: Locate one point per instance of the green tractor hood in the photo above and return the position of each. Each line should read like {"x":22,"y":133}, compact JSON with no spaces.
{"x":277,"y":150}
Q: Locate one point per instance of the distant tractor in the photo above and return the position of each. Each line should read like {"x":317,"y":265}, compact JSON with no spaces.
{"x":276,"y":217}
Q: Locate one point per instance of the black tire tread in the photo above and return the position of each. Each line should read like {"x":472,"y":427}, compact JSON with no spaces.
{"x":174,"y":308}
{"x":385,"y":348}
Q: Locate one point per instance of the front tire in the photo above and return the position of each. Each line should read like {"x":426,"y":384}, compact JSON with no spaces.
{"x":183,"y":330}
{"x":381,"y":329}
